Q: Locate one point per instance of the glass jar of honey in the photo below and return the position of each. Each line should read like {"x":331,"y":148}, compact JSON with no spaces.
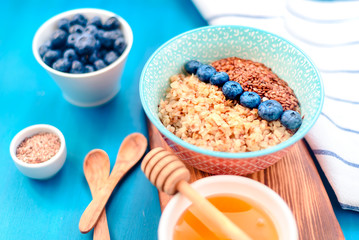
{"x":253,"y":220}
{"x":255,"y":208}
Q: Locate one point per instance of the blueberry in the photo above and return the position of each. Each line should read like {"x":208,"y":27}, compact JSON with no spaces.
{"x":71,"y":55}
{"x":270,"y":110}
{"x":76,"y":67}
{"x":99,"y":34}
{"x":192,"y":66}
{"x":94,"y":56}
{"x":110,"y":57}
{"x":64,"y":24}
{"x":62,"y":65}
{"x":97,"y":45}
{"x":48,"y":43}
{"x":219,"y":78}
{"x":102,"y":53}
{"x":84,"y":59}
{"x":58,"y":39}
{"x":78,"y":19}
{"x":205,"y":72}
{"x":85,"y":44}
{"x":44,"y":48}
{"x":89,"y":68}
{"x":71,"y":39}
{"x":250,"y":99}
{"x":108,"y":38}
{"x":118,"y":32}
{"x":291,"y":119}
{"x":120,"y":45}
{"x":96,"y":21}
{"x":77,"y":29}
{"x":232,"y":90}
{"x":111,"y":23}
{"x":99,"y":64}
{"x":51,"y":56}
{"x":91,"y":29}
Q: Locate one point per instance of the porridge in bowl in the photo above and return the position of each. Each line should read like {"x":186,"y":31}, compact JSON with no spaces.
{"x":235,"y":105}
{"x":213,"y":43}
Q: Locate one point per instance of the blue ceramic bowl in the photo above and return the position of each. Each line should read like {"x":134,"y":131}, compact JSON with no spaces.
{"x":212,"y":43}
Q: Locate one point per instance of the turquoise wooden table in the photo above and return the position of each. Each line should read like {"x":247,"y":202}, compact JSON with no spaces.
{"x":31,"y":209}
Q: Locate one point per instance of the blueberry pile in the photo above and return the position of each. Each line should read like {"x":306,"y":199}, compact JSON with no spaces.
{"x":82,"y":45}
{"x":269,"y":110}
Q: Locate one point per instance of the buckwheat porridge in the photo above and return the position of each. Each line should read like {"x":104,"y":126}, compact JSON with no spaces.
{"x":205,"y":115}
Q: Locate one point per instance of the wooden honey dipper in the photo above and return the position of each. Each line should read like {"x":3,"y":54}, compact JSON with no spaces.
{"x":170,"y":175}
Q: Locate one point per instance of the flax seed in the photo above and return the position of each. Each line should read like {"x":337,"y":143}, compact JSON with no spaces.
{"x":254,"y":76}
{"x":38,"y":148}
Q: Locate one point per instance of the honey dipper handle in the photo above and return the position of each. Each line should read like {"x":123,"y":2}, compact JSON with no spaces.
{"x":210,"y":215}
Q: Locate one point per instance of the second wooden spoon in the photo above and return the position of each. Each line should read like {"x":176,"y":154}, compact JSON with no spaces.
{"x":97,"y":170}
{"x":131,"y":150}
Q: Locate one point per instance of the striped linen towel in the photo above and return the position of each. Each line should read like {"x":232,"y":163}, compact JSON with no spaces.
{"x":328,"y":31}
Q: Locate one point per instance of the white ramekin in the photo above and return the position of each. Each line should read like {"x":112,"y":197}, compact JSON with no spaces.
{"x":261,"y":195}
{"x":42,"y":170}
{"x":87,"y":89}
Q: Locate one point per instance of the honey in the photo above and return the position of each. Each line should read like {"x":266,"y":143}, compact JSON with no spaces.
{"x":246,"y":215}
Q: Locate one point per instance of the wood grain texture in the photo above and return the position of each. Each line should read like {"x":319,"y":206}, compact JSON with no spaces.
{"x":296,"y":179}
{"x":131,"y":151}
{"x":97,"y":170}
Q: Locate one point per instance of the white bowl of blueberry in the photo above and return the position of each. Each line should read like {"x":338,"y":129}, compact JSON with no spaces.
{"x":84,"y":51}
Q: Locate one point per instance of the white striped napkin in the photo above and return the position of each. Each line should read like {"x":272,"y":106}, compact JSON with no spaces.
{"x":328,"y":31}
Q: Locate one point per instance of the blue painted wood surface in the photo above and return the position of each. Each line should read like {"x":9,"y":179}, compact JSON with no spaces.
{"x":31,"y":209}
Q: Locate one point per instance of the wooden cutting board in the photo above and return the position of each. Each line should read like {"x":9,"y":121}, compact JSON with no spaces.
{"x":296,"y":179}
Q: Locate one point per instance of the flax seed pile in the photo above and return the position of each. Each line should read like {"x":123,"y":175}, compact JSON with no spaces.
{"x":256,"y":77}
{"x":199,"y":114}
{"x":38,"y":148}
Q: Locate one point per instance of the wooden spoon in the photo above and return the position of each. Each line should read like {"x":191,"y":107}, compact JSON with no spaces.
{"x":169,"y":174}
{"x":97,"y":170}
{"x":131,"y":150}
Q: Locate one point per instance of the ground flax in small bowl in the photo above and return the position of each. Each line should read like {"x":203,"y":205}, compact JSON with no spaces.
{"x":38,"y":148}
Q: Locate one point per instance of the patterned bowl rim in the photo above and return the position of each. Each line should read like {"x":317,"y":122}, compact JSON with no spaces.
{"x":296,"y":137}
